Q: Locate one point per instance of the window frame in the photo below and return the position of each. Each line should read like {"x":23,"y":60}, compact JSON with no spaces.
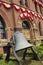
{"x":21,"y":2}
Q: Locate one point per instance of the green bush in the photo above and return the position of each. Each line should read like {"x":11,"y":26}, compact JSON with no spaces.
{"x":1,"y":55}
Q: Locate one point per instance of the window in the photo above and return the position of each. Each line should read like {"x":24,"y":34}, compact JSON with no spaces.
{"x":26,"y":3}
{"x":40,"y":28}
{"x":36,"y":7}
{"x":41,"y":7}
{"x":2,"y":28}
{"x":21,"y":2}
{"x":40,"y":10}
{"x":26,"y":25}
{"x":26,"y":29}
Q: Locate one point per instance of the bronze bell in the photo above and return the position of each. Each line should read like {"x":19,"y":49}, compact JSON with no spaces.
{"x":20,"y":41}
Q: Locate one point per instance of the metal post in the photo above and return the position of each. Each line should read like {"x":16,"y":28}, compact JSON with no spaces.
{"x":36,"y":56}
{"x":14,"y":53}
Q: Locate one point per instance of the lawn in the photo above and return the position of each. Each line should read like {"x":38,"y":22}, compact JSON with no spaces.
{"x":29,"y":57}
{"x":26,"y":62}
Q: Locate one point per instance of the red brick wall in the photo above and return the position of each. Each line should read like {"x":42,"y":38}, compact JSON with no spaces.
{"x":12,"y":19}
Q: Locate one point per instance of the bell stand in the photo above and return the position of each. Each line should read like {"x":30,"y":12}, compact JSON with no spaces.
{"x":36,"y":56}
{"x":24,"y":54}
{"x":14,"y":53}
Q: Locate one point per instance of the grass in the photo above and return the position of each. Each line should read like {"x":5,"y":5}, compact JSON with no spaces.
{"x":39,"y":49}
{"x":26,"y":62}
{"x":29,"y":58}
{"x":2,"y":62}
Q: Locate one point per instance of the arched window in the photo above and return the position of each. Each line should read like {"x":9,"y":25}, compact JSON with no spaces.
{"x":26,"y":25}
{"x":26,"y":3}
{"x":36,"y":8}
{"x":40,"y":28}
{"x":41,"y":7}
{"x":26,"y":29}
{"x":21,"y":3}
{"x":2,"y":28}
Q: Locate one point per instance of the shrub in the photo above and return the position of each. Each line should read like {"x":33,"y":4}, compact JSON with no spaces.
{"x":1,"y":55}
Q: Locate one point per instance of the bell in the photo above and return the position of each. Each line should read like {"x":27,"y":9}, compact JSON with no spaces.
{"x":20,"y":41}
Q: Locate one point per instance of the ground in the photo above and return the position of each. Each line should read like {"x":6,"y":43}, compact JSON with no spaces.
{"x":29,"y":57}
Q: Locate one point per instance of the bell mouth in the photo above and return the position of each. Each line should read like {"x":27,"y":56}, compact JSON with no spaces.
{"x":22,"y":49}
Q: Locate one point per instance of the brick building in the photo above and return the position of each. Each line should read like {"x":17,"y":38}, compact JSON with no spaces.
{"x":23,"y":15}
